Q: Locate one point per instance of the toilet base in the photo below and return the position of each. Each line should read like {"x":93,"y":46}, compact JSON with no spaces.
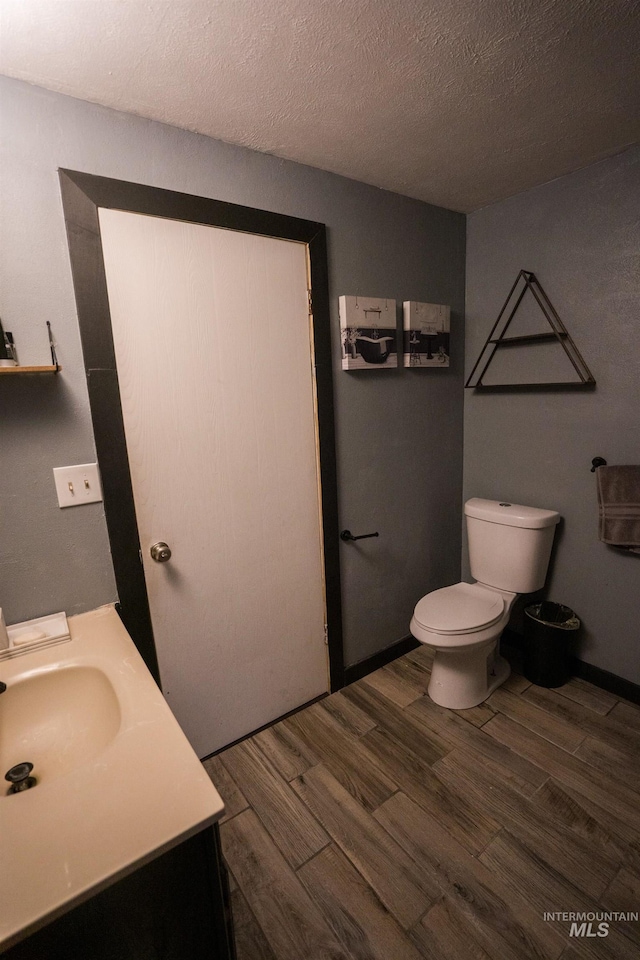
{"x":462,"y":679}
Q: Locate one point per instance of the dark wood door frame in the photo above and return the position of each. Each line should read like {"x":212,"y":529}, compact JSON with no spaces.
{"x":82,"y":195}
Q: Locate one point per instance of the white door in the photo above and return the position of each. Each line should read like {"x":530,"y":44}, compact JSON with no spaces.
{"x":214,"y":355}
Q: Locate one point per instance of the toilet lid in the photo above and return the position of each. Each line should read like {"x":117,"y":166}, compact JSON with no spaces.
{"x":462,"y":608}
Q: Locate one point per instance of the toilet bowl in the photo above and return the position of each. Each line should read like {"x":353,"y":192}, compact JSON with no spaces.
{"x":463,"y":624}
{"x":509,"y":550}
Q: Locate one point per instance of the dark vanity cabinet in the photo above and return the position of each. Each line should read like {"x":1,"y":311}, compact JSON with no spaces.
{"x":176,"y":907}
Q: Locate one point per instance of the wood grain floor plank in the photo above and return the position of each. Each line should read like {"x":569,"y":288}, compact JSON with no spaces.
{"x":544,"y":889}
{"x":516,"y":683}
{"x":353,"y":911}
{"x":596,"y":699}
{"x":290,"y":755}
{"x":607,"y":728}
{"x":623,"y":895}
{"x":632,"y":855}
{"x":422,"y":655}
{"x":547,"y":725}
{"x":233,"y":797}
{"x":506,"y":926}
{"x":613,"y":762}
{"x":251,"y":943}
{"x":627,"y":714}
{"x":291,"y":923}
{"x":350,"y":717}
{"x":420,"y":658}
{"x":344,"y":755}
{"x":392,"y":686}
{"x":417,"y":739}
{"x":566,"y":768}
{"x":416,"y":676}
{"x":515,"y":769}
{"x":465,"y":821}
{"x":573,"y":811}
{"x":567,"y":852}
{"x":444,"y":933}
{"x":479,"y":715}
{"x":621,"y":833}
{"x":615,"y":948}
{"x":510,"y":859}
{"x":404,"y":888}
{"x":297,"y":833}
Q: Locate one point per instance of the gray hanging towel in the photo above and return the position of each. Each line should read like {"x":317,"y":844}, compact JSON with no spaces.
{"x":619,"y":506}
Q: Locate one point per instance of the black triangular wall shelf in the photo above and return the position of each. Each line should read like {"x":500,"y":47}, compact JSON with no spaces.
{"x":558,"y":332}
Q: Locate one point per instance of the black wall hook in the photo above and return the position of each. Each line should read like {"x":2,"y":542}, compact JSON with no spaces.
{"x":597,"y":462}
{"x":346,"y":535}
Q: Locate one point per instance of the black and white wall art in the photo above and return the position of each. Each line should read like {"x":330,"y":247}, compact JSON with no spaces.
{"x":368,"y":333}
{"x":426,"y":334}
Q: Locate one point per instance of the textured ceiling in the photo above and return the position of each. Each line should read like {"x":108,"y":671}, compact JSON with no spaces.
{"x":456,"y":102}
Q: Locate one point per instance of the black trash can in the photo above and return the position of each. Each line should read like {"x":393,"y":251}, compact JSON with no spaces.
{"x":548,"y":629}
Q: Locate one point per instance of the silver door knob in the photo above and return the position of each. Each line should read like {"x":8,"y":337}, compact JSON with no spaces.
{"x":160,"y":552}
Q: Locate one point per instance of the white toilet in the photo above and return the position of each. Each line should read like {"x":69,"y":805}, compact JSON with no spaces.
{"x":509,"y":549}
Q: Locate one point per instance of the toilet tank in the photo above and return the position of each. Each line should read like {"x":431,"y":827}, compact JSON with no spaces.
{"x":509,"y":544}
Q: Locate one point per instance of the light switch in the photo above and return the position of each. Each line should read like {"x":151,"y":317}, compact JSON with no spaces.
{"x":77,"y":485}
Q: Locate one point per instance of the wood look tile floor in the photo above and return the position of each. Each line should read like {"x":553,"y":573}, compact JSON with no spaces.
{"x":376,"y":825}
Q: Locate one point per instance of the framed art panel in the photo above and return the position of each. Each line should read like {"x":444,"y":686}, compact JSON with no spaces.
{"x":368,"y":333}
{"x":426,"y":334}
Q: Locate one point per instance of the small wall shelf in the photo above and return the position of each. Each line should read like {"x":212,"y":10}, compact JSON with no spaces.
{"x":527,"y":281}
{"x":14,"y":371}
{"x":530,"y":337}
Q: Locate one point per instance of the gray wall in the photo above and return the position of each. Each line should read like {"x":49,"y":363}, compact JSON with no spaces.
{"x":581,"y":236}
{"x":399,"y":433}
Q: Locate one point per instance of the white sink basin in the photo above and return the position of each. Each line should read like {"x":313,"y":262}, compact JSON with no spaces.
{"x":117,"y":780}
{"x":57,"y":719}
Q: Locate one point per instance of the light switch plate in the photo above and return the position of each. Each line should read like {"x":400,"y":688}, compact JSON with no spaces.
{"x":77,"y":485}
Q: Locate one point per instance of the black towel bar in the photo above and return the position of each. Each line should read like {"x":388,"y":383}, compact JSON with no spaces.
{"x":597,"y":462}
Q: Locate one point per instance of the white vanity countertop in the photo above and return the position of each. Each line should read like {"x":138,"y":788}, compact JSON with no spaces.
{"x":79,"y":830}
